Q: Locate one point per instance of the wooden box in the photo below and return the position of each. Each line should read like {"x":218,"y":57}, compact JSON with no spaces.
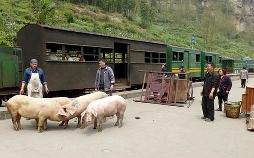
{"x":180,"y":90}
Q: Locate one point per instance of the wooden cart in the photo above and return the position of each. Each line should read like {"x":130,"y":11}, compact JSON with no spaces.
{"x":166,"y":88}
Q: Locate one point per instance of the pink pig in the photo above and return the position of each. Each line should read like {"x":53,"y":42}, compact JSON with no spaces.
{"x":105,"y":107}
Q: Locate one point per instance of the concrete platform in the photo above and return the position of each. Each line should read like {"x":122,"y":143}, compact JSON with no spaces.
{"x":161,"y":132}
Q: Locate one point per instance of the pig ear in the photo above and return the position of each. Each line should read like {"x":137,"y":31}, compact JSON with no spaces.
{"x":94,"y":113}
{"x":73,"y":110}
{"x":62,"y":112}
{"x":83,"y":114}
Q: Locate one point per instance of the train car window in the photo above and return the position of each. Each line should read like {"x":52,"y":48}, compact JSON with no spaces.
{"x":175,"y":56}
{"x":208,"y":59}
{"x":147,"y":57}
{"x":53,"y":51}
{"x":155,"y":57}
{"x":107,"y":54}
{"x":119,"y":58}
{"x":162,"y":57}
{"x":91,"y":53}
{"x":197,"y":57}
{"x":180,"y":56}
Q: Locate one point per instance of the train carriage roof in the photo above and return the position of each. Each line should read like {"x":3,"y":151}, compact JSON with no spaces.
{"x":92,"y":33}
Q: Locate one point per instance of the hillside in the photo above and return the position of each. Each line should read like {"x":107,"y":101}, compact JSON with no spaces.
{"x":170,"y":21}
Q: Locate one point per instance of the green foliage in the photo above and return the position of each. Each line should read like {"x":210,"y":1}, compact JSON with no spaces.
{"x":144,"y":11}
{"x":43,"y":9}
{"x":69,"y":16}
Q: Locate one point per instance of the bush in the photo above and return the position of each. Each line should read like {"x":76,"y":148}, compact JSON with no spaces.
{"x":69,"y":17}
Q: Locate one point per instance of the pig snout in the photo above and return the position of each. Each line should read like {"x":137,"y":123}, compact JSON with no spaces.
{"x":89,"y":119}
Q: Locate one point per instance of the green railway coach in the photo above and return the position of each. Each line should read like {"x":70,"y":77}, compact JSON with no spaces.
{"x":233,"y":65}
{"x":10,"y":71}
{"x":194,"y":61}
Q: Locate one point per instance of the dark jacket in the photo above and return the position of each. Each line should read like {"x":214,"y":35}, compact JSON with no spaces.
{"x":164,"y":69}
{"x":225,"y":83}
{"x":211,"y":81}
{"x":181,"y":76}
{"x":109,"y":78}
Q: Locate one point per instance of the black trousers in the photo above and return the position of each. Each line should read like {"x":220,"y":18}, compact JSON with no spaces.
{"x":208,"y":107}
{"x":107,"y":92}
{"x":222,"y":96}
{"x":243,"y":82}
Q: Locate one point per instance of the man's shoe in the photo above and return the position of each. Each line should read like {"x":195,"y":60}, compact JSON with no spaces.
{"x":203,"y":117}
{"x":208,"y":120}
{"x":219,"y":109}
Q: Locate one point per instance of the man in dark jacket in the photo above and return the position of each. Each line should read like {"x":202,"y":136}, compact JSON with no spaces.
{"x":209,"y":92}
{"x":105,"y":78}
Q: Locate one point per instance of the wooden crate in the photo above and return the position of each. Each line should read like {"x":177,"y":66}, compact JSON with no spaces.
{"x":180,"y":90}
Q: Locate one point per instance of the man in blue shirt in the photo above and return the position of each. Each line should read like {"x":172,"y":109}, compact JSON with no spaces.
{"x":27,"y":75}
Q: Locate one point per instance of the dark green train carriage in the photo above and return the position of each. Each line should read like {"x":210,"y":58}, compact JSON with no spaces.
{"x":193,"y":61}
{"x":10,"y":71}
{"x":233,"y":65}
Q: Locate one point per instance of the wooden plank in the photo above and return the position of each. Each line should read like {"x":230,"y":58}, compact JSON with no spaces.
{"x":244,"y":103}
{"x":176,"y":89}
{"x":143,"y":86}
{"x":250,"y":98}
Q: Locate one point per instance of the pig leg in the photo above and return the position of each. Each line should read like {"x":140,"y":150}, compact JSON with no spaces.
{"x":95,"y":123}
{"x":118,"y":118}
{"x":121,"y":120}
{"x":62,"y":123}
{"x":45,"y":125}
{"x":14,"y":122}
{"x":79,"y":122}
{"x":37,"y":121}
{"x":18,"y":121}
{"x":40,"y":124}
{"x":100,"y":120}
{"x":66,"y":124}
{"x":83,"y":123}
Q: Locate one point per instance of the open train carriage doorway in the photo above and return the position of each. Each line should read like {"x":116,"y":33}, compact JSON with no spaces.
{"x":121,"y":51}
{"x":118,"y":60}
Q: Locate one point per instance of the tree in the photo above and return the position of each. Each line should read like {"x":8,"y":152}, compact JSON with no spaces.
{"x":144,"y":11}
{"x":43,"y":9}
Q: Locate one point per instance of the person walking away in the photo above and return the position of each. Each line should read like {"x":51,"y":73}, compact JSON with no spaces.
{"x":208,"y":93}
{"x":243,"y":76}
{"x":224,"y":86}
{"x":105,"y":78}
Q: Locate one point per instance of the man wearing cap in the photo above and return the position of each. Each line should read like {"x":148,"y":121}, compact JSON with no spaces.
{"x":27,"y":75}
